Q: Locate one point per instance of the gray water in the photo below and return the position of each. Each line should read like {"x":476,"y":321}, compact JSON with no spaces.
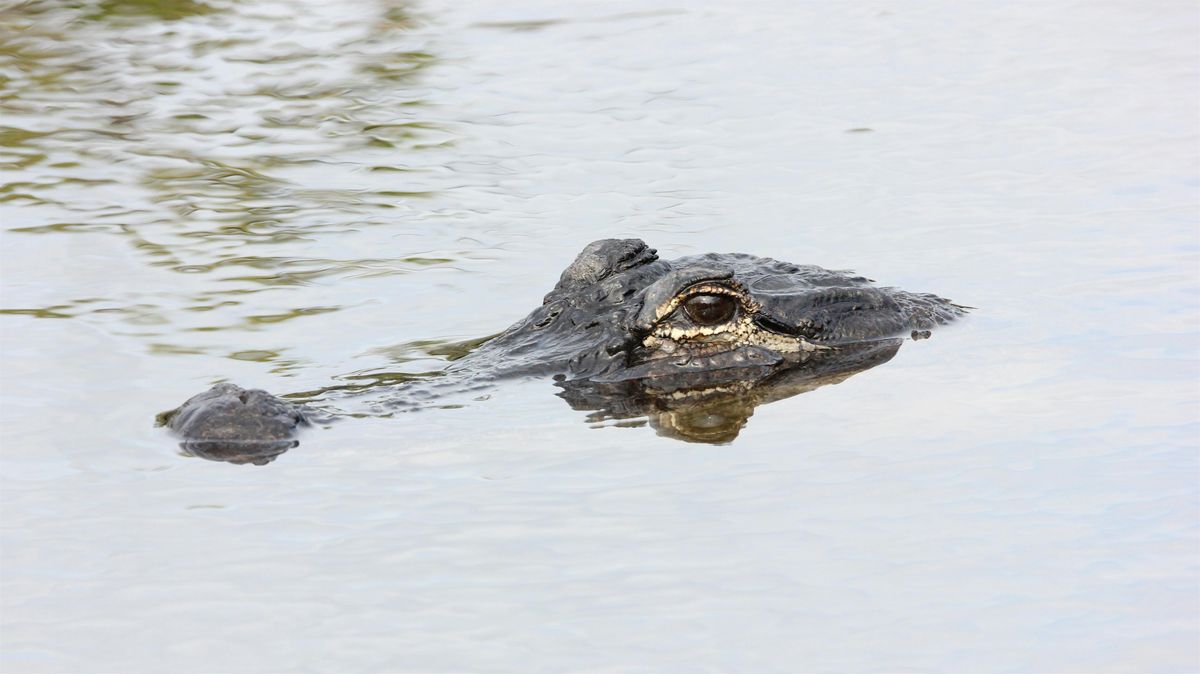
{"x":298,"y":194}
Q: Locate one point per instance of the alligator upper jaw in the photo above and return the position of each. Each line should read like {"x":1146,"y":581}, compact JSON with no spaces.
{"x":237,"y":425}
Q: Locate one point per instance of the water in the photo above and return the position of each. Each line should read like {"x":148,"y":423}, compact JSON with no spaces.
{"x":292,"y":194}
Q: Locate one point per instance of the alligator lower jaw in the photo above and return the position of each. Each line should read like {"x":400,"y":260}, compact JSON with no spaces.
{"x":689,"y":370}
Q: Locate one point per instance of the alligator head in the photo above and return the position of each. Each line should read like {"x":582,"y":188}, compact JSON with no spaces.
{"x":619,"y":314}
{"x":692,"y":344}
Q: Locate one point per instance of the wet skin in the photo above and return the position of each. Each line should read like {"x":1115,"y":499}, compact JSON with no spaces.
{"x":692,"y":344}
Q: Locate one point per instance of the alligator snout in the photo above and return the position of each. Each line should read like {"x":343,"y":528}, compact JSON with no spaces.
{"x":230,"y":423}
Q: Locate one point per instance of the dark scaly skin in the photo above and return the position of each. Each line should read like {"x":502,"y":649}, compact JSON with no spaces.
{"x":230,"y":423}
{"x":601,"y":332}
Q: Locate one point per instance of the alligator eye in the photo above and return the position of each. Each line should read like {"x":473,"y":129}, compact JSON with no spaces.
{"x":710,"y":309}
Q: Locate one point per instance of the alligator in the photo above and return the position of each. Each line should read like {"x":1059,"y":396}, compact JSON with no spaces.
{"x":692,"y":345}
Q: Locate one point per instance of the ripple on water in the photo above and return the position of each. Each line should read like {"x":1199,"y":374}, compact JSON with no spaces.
{"x":337,"y":198}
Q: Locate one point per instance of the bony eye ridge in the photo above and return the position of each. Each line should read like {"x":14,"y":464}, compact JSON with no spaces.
{"x":710,"y":309}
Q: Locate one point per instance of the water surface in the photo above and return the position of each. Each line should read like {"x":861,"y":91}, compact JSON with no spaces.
{"x":295,"y":195}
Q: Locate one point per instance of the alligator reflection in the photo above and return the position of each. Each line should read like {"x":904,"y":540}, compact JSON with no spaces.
{"x":259,"y":453}
{"x":716,"y":414}
{"x":713,"y":413}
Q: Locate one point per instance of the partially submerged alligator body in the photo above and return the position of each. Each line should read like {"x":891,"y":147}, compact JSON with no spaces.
{"x":693,"y":344}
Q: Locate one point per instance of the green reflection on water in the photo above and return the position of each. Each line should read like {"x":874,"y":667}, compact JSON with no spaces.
{"x":447,"y":350}
{"x":48,"y":312}
{"x":11,"y":136}
{"x":453,"y":350}
{"x":116,"y":125}
{"x":360,"y":383}
{"x":166,"y":10}
{"x":176,"y":350}
{"x":255,"y":355}
{"x":294,"y":313}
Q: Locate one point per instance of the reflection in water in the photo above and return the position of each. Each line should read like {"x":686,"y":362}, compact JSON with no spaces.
{"x":257,"y":453}
{"x":207,"y":150}
{"x":716,"y":414}
{"x":167,"y":10}
{"x":187,"y":185}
